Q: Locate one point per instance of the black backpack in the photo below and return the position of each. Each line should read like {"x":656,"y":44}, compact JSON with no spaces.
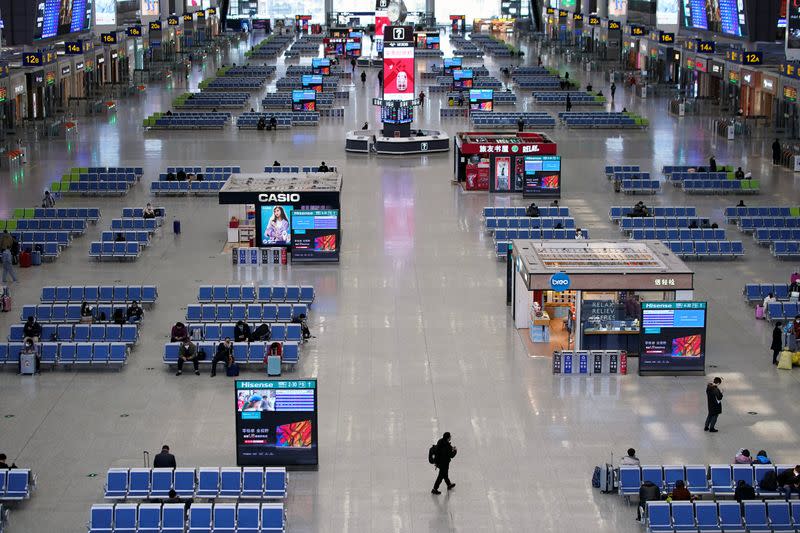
{"x":769,"y":482}
{"x":262,"y":333}
{"x":532,"y":211}
{"x":432,"y":454}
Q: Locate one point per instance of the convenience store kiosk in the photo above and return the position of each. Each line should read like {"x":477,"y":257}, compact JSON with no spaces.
{"x":596,"y":287}
{"x":296,"y":212}
{"x":496,"y":162}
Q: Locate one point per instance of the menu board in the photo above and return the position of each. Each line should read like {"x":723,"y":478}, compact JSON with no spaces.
{"x":673,"y":337}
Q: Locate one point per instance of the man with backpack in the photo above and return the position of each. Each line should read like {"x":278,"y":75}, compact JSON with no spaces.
{"x":440,"y":455}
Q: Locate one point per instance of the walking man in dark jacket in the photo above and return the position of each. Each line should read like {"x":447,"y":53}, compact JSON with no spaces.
{"x":444,"y":453}
{"x":714,"y":396}
{"x":164,"y":459}
{"x":776,"y":152}
{"x":777,"y":341}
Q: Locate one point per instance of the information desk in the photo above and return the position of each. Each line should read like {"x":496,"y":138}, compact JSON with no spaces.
{"x":300,"y":212}
{"x":420,"y":142}
{"x":605,"y":282}
{"x":521,"y":162}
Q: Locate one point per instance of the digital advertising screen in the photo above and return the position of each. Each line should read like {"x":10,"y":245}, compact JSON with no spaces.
{"x":60,"y":17}
{"x":725,"y":16}
{"x":462,"y":79}
{"x":105,"y":12}
{"x":312,"y":81}
{"x":451,"y":63}
{"x":315,"y":235}
{"x":542,"y":176}
{"x":353,"y":49}
{"x":673,"y":337}
{"x":397,"y":113}
{"x":667,"y":12}
{"x":429,"y":41}
{"x":150,"y":8}
{"x":481,"y":99}
{"x":398,"y":63}
{"x":381,"y":21}
{"x":275,"y":223}
{"x":304,"y":100}
{"x":321,"y":66}
{"x":276,"y":423}
{"x":793,"y":31}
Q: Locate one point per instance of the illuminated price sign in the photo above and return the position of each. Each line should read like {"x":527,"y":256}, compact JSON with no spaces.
{"x":173,"y":21}
{"x":666,"y":37}
{"x":752,"y":58}
{"x":32,"y":59}
{"x":108,"y":38}
{"x":706,"y":47}
{"x":635,"y":30}
{"x":134,"y":31}
{"x":613,"y":25}
{"x":73,"y":48}
{"x":594,"y":21}
{"x":155,"y":25}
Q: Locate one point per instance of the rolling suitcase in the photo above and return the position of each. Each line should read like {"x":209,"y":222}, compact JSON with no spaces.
{"x":760,"y":312}
{"x":27,"y":364}
{"x":36,"y":258}
{"x":274,"y":365}
{"x":25,"y":260}
{"x":176,"y":227}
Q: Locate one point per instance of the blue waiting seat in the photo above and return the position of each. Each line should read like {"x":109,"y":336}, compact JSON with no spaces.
{"x":116,"y":487}
{"x":730,"y":517}
{"x":101,"y":518}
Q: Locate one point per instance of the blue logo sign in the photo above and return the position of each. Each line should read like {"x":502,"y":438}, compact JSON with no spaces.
{"x":559,"y":282}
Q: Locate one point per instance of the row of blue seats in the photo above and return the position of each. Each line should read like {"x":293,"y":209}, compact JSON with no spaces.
{"x":520,"y":211}
{"x":203,"y":482}
{"x":210,"y":176}
{"x":130,"y":178}
{"x":529,"y":71}
{"x":748,"y":223}
{"x":49,"y":250}
{"x":250,"y":121}
{"x":143,"y":294}
{"x":138,"y":212}
{"x":784,"y":249}
{"x":640,"y":186}
{"x":723,"y":186}
{"x":142,"y":237}
{"x":733,"y":213}
{"x":616,"y":213}
{"x":280,"y":331}
{"x":248,"y":293}
{"x":294,"y":170}
{"x":185,"y":187}
{"x":611,"y":169}
{"x":546,"y":234}
{"x":255,"y":70}
{"x":94,"y":187}
{"x":127,"y":333}
{"x":244,"y":352}
{"x":663,"y":234}
{"x":599,"y":121}
{"x":629,"y":174}
{"x":147,"y":224}
{"x":719,"y":480}
{"x":234,"y":83}
{"x":189,"y":123}
{"x":678,"y":177}
{"x":69,"y":353}
{"x":523,"y":222}
{"x":484,"y":119}
{"x":758,"y":517}
{"x":174,"y":518}
{"x":225,"y":312}
{"x":541,"y":99}
{"x":630,"y":223}
{"x":139,"y":171}
{"x":76,"y":226}
{"x":708,"y":249}
{"x":114,"y":250}
{"x":782,"y":310}
{"x":16,"y":484}
{"x":233,"y":95}
{"x":209,"y":103}
{"x":756,"y":292}
{"x":63,"y":238}
{"x":68,"y":313}
{"x":207,"y":170}
{"x":92,"y":214}
{"x":768,"y":236}
{"x":668,"y":170}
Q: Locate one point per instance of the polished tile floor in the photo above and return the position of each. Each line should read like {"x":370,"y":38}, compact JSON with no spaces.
{"x":413,"y":337}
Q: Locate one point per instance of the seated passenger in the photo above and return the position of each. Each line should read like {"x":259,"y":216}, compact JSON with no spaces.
{"x":3,"y":464}
{"x":554,"y":203}
{"x":276,"y":164}
{"x":744,"y":491}
{"x":739,"y":173}
{"x":148,"y":211}
{"x":273,"y":123}
{"x":134,"y":312}
{"x":365,"y":126}
{"x":181,"y":175}
{"x":119,"y":237}
{"x":171,"y":176}
{"x":261,"y":125}
{"x":86,"y":313}
{"x":762,"y":458}
{"x":532,"y":210}
{"x":630,"y":459}
{"x":241,"y":332}
{"x":224,"y":354}
{"x":199,"y":177}
{"x":680,"y":493}
{"x":323,"y":167}
{"x":188,"y":352}
{"x":579,"y":234}
{"x":789,"y":480}
{"x":743,"y":457}
{"x":32,"y":329}
{"x":179,"y":332}
{"x":119,"y":316}
{"x":741,"y":204}
{"x":648,"y":492}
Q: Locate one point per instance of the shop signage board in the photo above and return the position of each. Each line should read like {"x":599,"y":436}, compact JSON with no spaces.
{"x":559,"y":282}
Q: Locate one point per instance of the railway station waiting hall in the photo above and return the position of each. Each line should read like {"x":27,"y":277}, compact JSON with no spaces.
{"x":518,"y":265}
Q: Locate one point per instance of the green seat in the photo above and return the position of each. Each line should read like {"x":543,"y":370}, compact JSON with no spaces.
{"x":29,"y":212}
{"x":755,"y":185}
{"x":19,"y":212}
{"x":11,"y":225}
{"x":2,"y":225}
{"x":794,"y":211}
{"x":56,"y":187}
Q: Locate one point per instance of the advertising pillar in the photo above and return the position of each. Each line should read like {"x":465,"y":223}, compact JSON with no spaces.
{"x":381,"y":21}
{"x":398,"y":80}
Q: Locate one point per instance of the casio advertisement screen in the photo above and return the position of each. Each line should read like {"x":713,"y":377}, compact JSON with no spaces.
{"x":276,"y":423}
{"x":673,"y":337}
{"x":542,"y":176}
{"x":315,"y":235}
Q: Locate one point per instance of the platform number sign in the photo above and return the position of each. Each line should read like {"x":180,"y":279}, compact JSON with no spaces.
{"x":667,"y":38}
{"x":594,"y":21}
{"x":32,"y":59}
{"x":613,"y":25}
{"x":108,"y":38}
{"x":134,"y":31}
{"x":155,"y":25}
{"x":173,"y":21}
{"x":73,"y":48}
{"x":706,"y":47}
{"x":752,"y":58}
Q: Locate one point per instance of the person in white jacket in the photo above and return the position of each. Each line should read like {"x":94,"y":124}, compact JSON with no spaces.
{"x":630,"y":459}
